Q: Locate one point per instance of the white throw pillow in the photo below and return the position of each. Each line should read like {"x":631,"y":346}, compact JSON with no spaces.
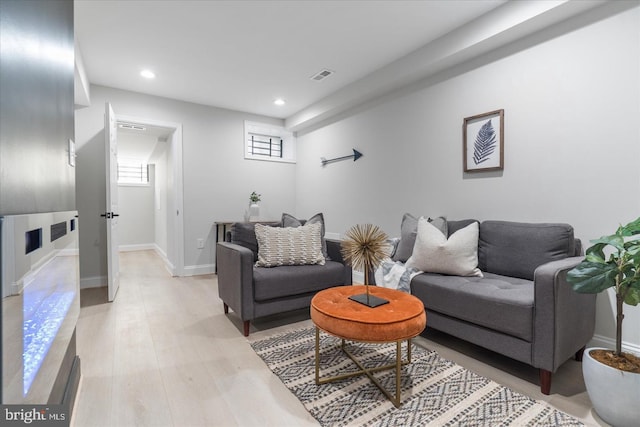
{"x":434,"y":253}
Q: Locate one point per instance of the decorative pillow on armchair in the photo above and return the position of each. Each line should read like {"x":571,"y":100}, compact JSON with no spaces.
{"x":434,"y":253}
{"x":244,"y":234}
{"x":289,"y":246}
{"x":291,"y":221}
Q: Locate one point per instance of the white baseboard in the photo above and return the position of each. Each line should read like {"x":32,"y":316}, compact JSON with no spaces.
{"x":93,"y":282}
{"x":163,"y":256}
{"x":69,"y":252}
{"x":197,"y":270}
{"x":602,"y":341}
{"x":139,"y":247}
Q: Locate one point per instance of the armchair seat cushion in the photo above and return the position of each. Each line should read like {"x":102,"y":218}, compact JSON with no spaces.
{"x":285,"y":281}
{"x":501,"y":303}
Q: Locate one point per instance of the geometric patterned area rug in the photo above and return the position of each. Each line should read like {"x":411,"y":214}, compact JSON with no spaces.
{"x":435,"y":391}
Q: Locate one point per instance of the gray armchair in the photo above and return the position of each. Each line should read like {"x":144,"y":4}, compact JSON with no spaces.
{"x":253,"y":292}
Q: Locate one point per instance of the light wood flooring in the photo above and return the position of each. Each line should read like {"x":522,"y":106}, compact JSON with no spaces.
{"x":165,"y":354}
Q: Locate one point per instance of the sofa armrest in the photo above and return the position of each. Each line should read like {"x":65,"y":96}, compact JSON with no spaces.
{"x":564,"y":320}
{"x":235,"y":278}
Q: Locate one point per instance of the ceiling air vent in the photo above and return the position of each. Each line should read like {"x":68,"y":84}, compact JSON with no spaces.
{"x":131,"y":126}
{"x":323,"y":74}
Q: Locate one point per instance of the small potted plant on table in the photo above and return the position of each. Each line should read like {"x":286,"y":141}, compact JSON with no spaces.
{"x":254,"y":207}
{"x":612,"y":377}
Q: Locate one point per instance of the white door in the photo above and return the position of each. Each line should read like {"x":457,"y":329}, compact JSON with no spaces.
{"x":111,"y":215}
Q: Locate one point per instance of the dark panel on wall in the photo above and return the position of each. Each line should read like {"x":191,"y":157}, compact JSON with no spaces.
{"x":36,"y":106}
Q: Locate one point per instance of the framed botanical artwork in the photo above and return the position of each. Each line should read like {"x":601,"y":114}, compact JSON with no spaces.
{"x":483,"y":142}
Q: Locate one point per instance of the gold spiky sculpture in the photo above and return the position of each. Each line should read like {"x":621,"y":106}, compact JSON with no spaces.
{"x":364,"y":248}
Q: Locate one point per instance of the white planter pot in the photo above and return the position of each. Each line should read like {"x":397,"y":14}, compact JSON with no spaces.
{"x":613,"y":393}
{"x":254,"y":212}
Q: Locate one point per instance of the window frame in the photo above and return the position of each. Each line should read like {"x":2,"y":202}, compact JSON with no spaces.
{"x":146,"y":183}
{"x":288,"y":141}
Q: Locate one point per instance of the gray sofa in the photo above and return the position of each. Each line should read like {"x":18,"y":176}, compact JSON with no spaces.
{"x":253,"y":292}
{"x":523,"y":307}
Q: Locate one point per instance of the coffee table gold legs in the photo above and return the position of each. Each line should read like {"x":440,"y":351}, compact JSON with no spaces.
{"x":368,"y":371}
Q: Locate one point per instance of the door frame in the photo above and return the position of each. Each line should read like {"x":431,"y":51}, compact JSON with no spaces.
{"x":176,"y":265}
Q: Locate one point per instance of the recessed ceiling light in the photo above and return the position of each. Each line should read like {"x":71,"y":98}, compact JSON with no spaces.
{"x":279,"y":101}
{"x":147,"y":74}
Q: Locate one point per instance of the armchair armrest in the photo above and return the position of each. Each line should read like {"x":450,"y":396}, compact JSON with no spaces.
{"x":335,"y":253}
{"x":564,"y":320}
{"x":333,"y":250}
{"x":235,"y":278}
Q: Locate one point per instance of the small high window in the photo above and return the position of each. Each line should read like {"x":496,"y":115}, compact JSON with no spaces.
{"x":264,"y":145}
{"x":133,"y":172}
{"x":268,"y":142}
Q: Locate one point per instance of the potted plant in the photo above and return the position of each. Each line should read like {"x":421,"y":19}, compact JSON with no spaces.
{"x":612,"y":377}
{"x":254,"y":208}
{"x":254,"y":197}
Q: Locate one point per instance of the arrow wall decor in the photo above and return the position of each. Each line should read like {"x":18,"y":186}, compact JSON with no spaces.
{"x":356,"y":155}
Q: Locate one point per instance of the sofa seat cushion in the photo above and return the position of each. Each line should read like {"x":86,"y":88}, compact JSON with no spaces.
{"x":283,"y":281}
{"x":501,"y":303}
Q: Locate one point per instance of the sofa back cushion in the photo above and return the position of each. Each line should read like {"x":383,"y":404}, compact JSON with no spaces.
{"x":516,"y":249}
{"x":453,"y":226}
{"x":244,"y":234}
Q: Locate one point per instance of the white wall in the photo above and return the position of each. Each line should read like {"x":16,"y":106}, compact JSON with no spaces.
{"x":217,"y":178}
{"x":159,"y":160}
{"x":136,"y":223}
{"x":572,"y":144}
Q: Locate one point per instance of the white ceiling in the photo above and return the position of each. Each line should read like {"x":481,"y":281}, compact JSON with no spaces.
{"x":139,"y":145}
{"x":242,"y":55}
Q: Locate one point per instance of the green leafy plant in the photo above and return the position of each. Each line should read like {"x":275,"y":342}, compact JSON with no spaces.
{"x":620,"y":269}
{"x":255,"y":197}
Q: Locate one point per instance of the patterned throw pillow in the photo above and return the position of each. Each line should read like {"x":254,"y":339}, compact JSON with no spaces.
{"x":289,"y":246}
{"x":289,"y":220}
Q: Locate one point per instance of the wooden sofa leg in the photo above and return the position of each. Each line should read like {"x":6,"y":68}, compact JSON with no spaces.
{"x":246,"y":327}
{"x":580,"y":353}
{"x":226,"y":308}
{"x":545,"y":381}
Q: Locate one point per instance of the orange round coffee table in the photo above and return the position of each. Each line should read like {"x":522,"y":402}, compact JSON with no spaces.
{"x":401,"y":319}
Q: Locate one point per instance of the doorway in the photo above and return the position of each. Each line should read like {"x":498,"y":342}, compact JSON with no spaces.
{"x":157,"y":144}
